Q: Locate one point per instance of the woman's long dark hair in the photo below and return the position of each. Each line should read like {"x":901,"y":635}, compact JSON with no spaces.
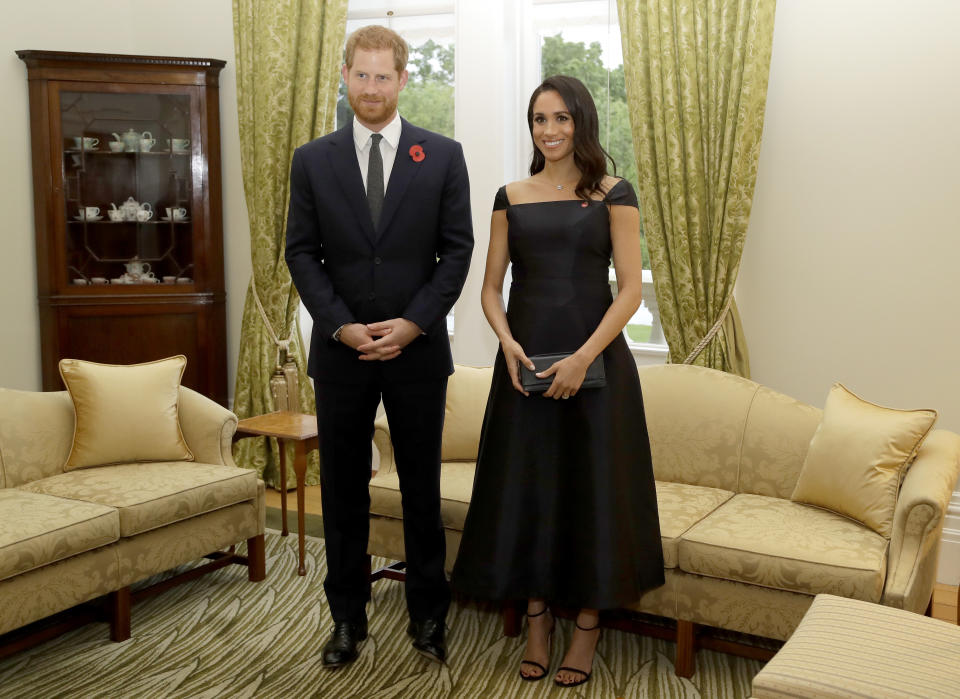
{"x":588,"y":155}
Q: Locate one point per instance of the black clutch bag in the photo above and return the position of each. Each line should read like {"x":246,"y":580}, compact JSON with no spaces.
{"x":596,"y":375}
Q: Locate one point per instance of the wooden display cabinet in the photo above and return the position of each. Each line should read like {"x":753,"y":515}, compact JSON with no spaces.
{"x":126,"y":187}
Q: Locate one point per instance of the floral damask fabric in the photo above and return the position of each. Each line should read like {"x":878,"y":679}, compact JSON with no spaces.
{"x":165,"y":548}
{"x":737,"y":606}
{"x":775,"y":442}
{"x":288,"y":59}
{"x":36,"y":430}
{"x":680,"y":506}
{"x":695,"y":418}
{"x":456,"y":487}
{"x":50,"y":589}
{"x":696,"y":75}
{"x":207,"y":427}
{"x":155,"y":494}
{"x":784,"y":545}
{"x":40,"y":529}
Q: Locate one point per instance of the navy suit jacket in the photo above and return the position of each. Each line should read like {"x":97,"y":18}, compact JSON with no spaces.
{"x":413,"y":265}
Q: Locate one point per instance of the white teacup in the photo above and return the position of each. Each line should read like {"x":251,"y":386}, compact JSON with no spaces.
{"x":146,"y":144}
{"x":115,"y":214}
{"x":80,"y":281}
{"x":176,"y":213}
{"x":86,"y":142}
{"x":115,"y":146}
{"x":144,"y":215}
{"x":98,"y":280}
{"x":184,"y":280}
{"x":170,"y":279}
{"x":179,"y":143}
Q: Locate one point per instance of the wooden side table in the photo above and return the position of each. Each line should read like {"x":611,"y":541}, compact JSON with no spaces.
{"x":301,"y":429}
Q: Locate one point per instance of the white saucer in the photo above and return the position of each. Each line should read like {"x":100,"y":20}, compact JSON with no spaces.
{"x":175,"y":220}
{"x":88,"y":218}
{"x":181,"y":151}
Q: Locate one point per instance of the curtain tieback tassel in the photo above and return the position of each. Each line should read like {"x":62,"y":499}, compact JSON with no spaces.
{"x":711,"y":333}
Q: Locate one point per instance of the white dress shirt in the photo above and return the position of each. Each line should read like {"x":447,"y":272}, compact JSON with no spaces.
{"x":388,"y":147}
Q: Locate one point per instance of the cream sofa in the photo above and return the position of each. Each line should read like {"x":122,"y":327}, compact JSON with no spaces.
{"x":738,"y":554}
{"x":69,"y":537}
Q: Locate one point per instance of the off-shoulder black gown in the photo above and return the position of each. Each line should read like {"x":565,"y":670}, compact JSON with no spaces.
{"x":564,"y":504}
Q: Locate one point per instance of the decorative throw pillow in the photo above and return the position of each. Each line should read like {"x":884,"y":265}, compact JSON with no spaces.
{"x":125,"y":413}
{"x":858,"y":456}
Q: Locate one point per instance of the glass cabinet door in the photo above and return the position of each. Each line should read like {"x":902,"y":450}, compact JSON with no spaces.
{"x":127,"y":188}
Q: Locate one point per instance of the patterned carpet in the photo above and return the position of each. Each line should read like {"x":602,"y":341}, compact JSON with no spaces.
{"x":221,"y":636}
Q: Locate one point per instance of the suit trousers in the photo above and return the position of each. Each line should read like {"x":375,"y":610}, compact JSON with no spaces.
{"x":345,"y":416}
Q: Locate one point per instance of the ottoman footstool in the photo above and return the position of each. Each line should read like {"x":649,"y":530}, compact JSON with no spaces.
{"x":849,"y":648}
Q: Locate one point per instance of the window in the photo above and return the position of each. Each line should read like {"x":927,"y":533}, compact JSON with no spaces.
{"x":582,"y":38}
{"x":428,"y":29}
{"x":504,"y":47}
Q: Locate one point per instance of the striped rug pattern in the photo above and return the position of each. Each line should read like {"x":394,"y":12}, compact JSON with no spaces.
{"x":221,"y":636}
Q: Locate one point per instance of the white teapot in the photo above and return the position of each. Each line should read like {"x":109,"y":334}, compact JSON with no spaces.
{"x":137,"y":268}
{"x":129,"y":208}
{"x":130,"y":138}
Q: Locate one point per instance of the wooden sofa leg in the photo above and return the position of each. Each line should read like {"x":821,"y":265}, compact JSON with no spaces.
{"x":256,"y":559}
{"x":120,"y":603}
{"x":511,"y":619}
{"x":685,"y":662}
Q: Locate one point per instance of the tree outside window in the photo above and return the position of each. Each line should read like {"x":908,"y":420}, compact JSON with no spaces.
{"x":428,"y":99}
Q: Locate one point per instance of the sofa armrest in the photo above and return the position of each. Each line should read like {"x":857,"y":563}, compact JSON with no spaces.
{"x":918,"y":522}
{"x":381,"y":438}
{"x":207,"y":428}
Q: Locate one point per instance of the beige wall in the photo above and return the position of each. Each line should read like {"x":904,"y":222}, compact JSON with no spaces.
{"x":851,"y":270}
{"x":202,"y":28}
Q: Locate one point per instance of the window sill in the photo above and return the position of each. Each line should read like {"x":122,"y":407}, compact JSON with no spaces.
{"x":644,"y":353}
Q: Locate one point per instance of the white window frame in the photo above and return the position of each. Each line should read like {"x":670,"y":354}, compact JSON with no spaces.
{"x":497,"y":55}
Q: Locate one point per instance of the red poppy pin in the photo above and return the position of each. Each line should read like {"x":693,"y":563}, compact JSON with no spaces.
{"x":417,"y":154}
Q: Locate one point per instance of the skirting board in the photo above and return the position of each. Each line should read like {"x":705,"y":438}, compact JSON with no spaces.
{"x":949,"y":569}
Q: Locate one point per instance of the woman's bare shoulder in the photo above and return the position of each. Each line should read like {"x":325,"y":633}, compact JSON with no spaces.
{"x":521,"y":190}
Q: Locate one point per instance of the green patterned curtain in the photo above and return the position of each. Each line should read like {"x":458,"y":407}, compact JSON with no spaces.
{"x":289,"y":54}
{"x":696,"y":73}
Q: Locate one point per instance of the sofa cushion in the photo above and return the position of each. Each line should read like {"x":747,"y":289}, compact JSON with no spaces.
{"x":680,"y":507}
{"x":154,"y":494}
{"x":780,"y":544}
{"x":456,"y":487}
{"x":858,"y":456}
{"x":466,"y":403}
{"x":125,"y":412}
{"x":40,"y":529}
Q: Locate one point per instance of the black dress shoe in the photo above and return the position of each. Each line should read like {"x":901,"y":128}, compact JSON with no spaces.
{"x":428,"y":638}
{"x":341,"y":649}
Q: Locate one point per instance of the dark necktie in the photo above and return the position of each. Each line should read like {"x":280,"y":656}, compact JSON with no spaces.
{"x":375,"y":179}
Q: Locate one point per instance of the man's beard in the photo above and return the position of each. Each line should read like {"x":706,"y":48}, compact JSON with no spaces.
{"x":372,"y":113}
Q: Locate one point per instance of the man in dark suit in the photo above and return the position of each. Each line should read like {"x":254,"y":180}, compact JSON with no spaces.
{"x":379,"y":239}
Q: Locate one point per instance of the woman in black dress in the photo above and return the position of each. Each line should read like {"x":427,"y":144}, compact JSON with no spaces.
{"x":564,"y":507}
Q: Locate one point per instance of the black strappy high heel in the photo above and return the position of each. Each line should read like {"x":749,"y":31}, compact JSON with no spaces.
{"x":534,"y":663}
{"x":586,"y":675}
